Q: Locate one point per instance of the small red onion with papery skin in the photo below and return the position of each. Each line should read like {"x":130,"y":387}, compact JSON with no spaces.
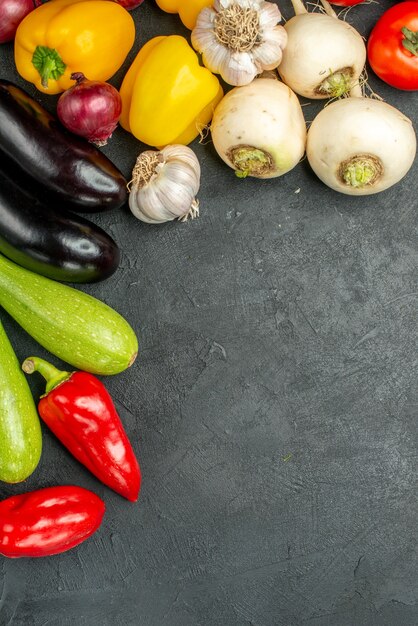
{"x":129,"y":5}
{"x":90,"y":108}
{"x":12,"y":13}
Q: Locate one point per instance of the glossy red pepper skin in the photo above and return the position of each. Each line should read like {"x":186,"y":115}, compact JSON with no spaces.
{"x":48,"y":521}
{"x":80,"y":412}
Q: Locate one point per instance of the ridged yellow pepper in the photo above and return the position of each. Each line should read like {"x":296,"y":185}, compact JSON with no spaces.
{"x":187,"y":9}
{"x":167,"y":97}
{"x":66,"y":36}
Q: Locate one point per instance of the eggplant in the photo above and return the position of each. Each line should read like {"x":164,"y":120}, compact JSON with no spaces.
{"x":57,"y":244}
{"x":51,"y":162}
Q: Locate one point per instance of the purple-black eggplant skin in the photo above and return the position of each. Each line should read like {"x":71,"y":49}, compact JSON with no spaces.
{"x":57,"y":244}
{"x":52,"y":163}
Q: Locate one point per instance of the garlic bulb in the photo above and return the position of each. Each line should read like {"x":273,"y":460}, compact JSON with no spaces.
{"x":164,"y":185}
{"x":238,"y":39}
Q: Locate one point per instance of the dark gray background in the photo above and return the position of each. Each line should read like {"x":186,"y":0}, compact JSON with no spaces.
{"x":272,"y":406}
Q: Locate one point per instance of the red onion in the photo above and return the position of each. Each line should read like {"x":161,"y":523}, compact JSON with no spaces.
{"x":12,"y":13}
{"x":90,"y":108}
{"x":129,"y":4}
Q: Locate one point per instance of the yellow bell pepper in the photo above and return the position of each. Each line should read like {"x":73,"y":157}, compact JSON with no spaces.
{"x":167,"y":97}
{"x":187,"y":9}
{"x":66,"y":36}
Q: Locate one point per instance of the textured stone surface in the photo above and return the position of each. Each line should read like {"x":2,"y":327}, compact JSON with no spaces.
{"x":273,"y":407}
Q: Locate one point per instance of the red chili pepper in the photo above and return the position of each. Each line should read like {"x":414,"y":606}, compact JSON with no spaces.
{"x":48,"y":521}
{"x":80,"y":412}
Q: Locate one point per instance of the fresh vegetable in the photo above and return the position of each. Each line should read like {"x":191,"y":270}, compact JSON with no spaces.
{"x":71,"y":324}
{"x":360,"y":146}
{"x":239,"y":39}
{"x":51,"y":162}
{"x":12,"y":13}
{"x":20,"y":430}
{"x":167,"y":97}
{"x":392,"y":47}
{"x":324,"y":56}
{"x":259,"y":129}
{"x":164,"y":185}
{"x":129,"y":5}
{"x":90,"y":108}
{"x":48,"y":521}
{"x":67,"y":36}
{"x":346,"y":3}
{"x":80,"y":412}
{"x":57,"y":244}
{"x":188,"y":11}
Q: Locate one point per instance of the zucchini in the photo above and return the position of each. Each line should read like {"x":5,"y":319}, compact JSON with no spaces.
{"x":20,"y":429}
{"x":74,"y":326}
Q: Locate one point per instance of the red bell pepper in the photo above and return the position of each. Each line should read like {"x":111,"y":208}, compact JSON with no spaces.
{"x":80,"y":412}
{"x":48,"y":521}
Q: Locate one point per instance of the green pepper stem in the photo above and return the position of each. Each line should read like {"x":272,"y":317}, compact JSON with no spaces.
{"x":48,"y":63}
{"x":410,"y":42}
{"x":47,"y":67}
{"x":52,"y":375}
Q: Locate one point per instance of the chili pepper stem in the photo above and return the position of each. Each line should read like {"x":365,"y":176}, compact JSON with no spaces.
{"x":52,"y":375}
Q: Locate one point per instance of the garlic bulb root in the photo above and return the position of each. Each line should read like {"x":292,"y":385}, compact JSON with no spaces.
{"x":192,"y":213}
{"x":164,"y":185}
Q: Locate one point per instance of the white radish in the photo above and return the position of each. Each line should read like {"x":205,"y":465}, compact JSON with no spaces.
{"x":360,"y":146}
{"x":259,"y":129}
{"x":324,"y":56}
